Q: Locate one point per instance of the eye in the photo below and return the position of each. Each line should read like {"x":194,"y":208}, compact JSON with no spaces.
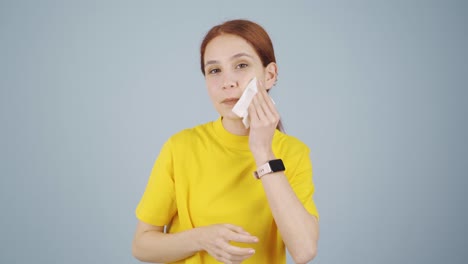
{"x":214,"y":71}
{"x":242,"y":65}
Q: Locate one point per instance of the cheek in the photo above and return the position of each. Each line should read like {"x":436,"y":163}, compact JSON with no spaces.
{"x":241,"y":76}
{"x":260,"y":73}
{"x":212,"y":87}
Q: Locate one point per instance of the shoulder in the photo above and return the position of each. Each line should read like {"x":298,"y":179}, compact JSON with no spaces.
{"x":294,"y":153}
{"x":191,"y":135}
{"x":289,"y":145}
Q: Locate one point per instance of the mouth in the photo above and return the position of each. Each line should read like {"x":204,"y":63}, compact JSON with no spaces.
{"x":230,"y":101}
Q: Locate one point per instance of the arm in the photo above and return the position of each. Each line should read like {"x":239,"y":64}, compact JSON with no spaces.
{"x":151,"y":244}
{"x":298,"y":228}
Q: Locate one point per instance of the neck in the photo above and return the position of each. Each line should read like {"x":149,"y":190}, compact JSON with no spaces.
{"x":235,"y":126}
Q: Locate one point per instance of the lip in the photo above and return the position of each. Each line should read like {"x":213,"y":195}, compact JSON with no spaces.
{"x":230,"y":101}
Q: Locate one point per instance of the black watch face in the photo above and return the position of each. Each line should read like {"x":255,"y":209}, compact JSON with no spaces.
{"x":277,"y":165}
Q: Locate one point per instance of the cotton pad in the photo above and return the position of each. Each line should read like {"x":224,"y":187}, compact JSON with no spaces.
{"x":241,"y":107}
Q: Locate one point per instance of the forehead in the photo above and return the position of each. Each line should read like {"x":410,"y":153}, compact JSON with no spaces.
{"x":225,"y":46}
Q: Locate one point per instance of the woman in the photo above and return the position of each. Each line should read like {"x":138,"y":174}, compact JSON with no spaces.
{"x":201,"y":186}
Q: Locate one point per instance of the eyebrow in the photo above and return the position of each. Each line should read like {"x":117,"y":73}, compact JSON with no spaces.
{"x":238,"y":55}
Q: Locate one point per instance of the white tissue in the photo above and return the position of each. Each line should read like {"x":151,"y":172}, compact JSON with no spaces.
{"x":241,"y":107}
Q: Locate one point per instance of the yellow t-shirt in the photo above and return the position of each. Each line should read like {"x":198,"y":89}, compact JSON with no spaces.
{"x":203,"y":176}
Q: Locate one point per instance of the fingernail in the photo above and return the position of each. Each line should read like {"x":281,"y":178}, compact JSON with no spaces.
{"x":251,"y":251}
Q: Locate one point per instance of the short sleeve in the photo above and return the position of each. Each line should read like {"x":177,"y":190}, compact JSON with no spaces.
{"x":302,"y":183}
{"x":157,"y":205}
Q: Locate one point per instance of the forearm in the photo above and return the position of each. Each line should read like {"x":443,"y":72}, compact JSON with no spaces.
{"x":154,"y":246}
{"x":298,"y":228}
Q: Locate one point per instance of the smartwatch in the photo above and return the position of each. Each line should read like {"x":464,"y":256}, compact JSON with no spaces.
{"x":269,"y":167}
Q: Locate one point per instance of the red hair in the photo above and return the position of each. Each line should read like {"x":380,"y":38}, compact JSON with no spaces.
{"x":253,"y":33}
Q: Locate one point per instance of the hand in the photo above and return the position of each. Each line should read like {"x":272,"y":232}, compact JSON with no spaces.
{"x":215,"y":239}
{"x":263,"y":121}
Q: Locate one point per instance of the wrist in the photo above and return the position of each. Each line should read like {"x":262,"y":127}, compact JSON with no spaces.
{"x":196,"y":237}
{"x":263,"y":157}
{"x":272,"y":166}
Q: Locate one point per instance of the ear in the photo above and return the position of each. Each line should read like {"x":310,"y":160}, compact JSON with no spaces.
{"x":271,"y":75}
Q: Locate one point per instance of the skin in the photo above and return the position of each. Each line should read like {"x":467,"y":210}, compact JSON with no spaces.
{"x":230,"y":63}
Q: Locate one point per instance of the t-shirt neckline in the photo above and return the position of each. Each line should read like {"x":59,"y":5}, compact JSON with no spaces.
{"x":228,"y":139}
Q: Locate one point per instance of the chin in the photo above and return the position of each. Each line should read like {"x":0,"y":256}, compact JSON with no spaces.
{"x":231,"y":115}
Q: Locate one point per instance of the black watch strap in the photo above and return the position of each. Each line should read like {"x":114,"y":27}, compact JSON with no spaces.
{"x":269,"y":167}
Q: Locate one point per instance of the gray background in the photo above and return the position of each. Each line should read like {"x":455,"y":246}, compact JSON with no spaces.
{"x":91,"y":90}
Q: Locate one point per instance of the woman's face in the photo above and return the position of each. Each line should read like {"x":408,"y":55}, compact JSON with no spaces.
{"x":230,"y":64}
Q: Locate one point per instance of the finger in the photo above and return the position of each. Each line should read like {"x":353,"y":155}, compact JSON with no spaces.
{"x":264,"y":96}
{"x":269,"y":107}
{"x":232,"y":253}
{"x":253,"y":113}
{"x":225,"y":256}
{"x":269,"y":117}
{"x":238,"y":251}
{"x":224,"y":260}
{"x":239,"y":259}
{"x":242,"y":238}
{"x":262,"y":89}
{"x":237,"y":229}
{"x":268,"y":101}
{"x":233,"y":258}
{"x":258,"y":102}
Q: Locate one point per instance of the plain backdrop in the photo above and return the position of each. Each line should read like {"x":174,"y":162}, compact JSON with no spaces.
{"x":90,"y":90}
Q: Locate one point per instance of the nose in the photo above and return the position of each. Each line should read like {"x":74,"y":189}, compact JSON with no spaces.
{"x":229,"y":85}
{"x":229,"y":82}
